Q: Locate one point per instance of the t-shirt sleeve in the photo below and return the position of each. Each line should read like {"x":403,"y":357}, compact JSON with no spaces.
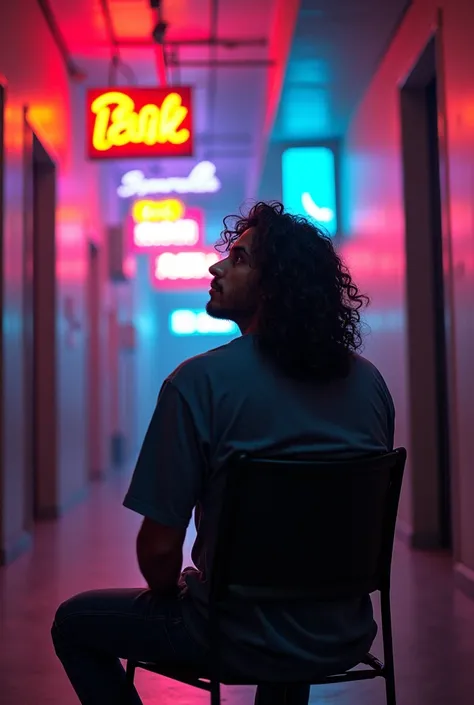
{"x":168,"y":477}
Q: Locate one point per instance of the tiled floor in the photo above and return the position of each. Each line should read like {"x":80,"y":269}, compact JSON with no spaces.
{"x":93,"y":546}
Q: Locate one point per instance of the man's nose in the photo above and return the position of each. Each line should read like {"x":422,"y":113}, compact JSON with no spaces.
{"x":217,"y":269}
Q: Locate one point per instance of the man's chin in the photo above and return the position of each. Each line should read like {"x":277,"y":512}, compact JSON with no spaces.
{"x":217,"y":312}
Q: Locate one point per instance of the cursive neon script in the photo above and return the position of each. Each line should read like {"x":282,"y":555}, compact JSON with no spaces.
{"x":121,"y":125}
{"x":202,"y":179}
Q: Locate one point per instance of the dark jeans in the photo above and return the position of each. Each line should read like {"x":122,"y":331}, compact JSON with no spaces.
{"x":93,"y":630}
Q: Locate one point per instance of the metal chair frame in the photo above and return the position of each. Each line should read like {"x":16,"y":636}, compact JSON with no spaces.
{"x":394,"y":464}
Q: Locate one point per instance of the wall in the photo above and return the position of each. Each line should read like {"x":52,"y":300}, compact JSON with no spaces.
{"x":374,"y":200}
{"x":32,"y":70}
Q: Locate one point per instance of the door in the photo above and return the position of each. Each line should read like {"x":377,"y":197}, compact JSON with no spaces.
{"x":426,"y":306}
{"x":39,"y":311}
{"x":95,"y":384}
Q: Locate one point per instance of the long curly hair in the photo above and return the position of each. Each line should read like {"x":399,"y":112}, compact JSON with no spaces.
{"x":308,"y":320}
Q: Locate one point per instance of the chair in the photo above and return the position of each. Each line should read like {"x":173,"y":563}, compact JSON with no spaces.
{"x":338,"y":544}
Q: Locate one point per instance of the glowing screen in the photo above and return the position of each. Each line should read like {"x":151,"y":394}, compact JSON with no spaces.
{"x":309,"y":184}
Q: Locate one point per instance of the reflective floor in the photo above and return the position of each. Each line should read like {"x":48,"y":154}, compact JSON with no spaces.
{"x":93,"y":546}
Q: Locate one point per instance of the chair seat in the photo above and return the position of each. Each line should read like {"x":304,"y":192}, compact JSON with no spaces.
{"x":201,"y":678}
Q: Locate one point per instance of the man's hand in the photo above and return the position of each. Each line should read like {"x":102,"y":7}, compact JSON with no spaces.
{"x":160,"y":556}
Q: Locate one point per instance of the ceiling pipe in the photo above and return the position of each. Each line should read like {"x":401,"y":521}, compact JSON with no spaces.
{"x":73,"y":70}
{"x":116,"y":63}
{"x":109,"y":26}
{"x":212,"y":85}
{"x":160,"y":54}
{"x":221,"y":63}
{"x":225,"y":43}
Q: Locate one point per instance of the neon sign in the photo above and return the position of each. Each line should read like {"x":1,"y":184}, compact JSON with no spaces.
{"x":196,"y":322}
{"x":146,"y":211}
{"x":139,"y":122}
{"x":182,"y":270}
{"x":309,"y":184}
{"x":178,"y":233}
{"x":202,"y":179}
{"x":164,"y":224}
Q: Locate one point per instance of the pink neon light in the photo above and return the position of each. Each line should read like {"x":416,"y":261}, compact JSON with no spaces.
{"x":158,"y":236}
{"x":182,"y":269}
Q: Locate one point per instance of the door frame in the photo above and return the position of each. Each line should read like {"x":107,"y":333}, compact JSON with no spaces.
{"x":425,"y":482}
{"x":42,"y":491}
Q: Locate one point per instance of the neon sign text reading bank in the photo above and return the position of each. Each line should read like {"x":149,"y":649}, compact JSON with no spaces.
{"x":139,"y":122}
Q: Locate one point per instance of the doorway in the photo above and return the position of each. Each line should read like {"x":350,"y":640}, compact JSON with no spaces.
{"x":39,"y":319}
{"x":427,"y":308}
{"x":94,"y":364}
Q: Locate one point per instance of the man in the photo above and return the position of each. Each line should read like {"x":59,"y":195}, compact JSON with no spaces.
{"x":292,"y":384}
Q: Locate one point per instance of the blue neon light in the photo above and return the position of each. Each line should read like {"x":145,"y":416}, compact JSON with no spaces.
{"x":185,"y":321}
{"x":309,"y":184}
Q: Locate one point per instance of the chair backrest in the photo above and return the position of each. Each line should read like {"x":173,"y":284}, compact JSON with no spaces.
{"x":293,"y":529}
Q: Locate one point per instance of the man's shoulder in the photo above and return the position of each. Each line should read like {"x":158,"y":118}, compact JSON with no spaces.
{"x":208,"y":363}
{"x":368,"y":370}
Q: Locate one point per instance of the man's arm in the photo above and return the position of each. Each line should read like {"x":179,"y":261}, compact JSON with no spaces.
{"x":160,"y":555}
{"x":166,"y":485}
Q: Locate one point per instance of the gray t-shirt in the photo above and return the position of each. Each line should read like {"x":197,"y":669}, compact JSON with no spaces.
{"x":231,"y":399}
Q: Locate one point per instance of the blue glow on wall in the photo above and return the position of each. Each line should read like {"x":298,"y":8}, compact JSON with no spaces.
{"x":184,"y":321}
{"x":309,"y":185}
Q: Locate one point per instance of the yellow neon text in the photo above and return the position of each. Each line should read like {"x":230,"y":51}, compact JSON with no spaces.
{"x":148,"y":211}
{"x":121,"y":125}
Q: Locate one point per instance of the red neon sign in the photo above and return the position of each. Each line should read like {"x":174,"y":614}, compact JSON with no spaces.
{"x":139,"y":122}
{"x":183,"y":269}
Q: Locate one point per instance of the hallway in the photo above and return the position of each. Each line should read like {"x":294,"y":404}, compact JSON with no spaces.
{"x":93,"y":546}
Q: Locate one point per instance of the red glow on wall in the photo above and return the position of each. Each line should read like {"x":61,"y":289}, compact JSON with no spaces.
{"x":139,"y":122}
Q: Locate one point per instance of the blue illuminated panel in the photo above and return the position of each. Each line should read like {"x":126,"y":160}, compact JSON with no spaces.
{"x":309,"y":185}
{"x":186,"y":321}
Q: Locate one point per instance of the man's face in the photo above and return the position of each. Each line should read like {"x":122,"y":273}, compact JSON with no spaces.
{"x":234,"y":288}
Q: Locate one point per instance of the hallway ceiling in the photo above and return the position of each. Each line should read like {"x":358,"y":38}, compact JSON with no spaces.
{"x":337,"y":46}
{"x":229,"y":102}
{"x":335,"y":49}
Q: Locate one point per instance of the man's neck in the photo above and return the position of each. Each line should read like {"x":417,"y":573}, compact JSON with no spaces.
{"x":248,"y":327}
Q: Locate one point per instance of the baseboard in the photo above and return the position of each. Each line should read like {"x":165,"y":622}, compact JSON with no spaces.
{"x":464,"y":579}
{"x":14,"y":548}
{"x":56,"y":511}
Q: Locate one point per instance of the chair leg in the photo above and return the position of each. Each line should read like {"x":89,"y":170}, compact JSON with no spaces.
{"x":390,"y":687}
{"x":389,"y":669}
{"x":130,"y":672}
{"x":215,"y":693}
